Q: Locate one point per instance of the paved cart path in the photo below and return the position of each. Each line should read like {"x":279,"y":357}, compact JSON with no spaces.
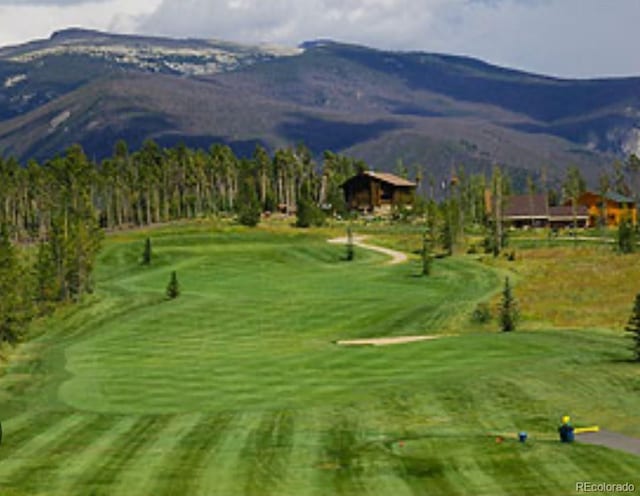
{"x":611,"y":440}
{"x":396,"y":256}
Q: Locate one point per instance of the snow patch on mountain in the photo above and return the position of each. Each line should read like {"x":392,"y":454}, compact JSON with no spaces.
{"x":12,"y":81}
{"x":184,"y":60}
{"x":59,"y":119}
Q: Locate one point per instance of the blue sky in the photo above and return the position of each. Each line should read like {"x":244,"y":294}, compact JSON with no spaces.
{"x":571,"y":38}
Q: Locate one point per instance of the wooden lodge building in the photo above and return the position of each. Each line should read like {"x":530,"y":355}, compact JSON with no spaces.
{"x":378,"y":192}
{"x":535,"y":211}
{"x":613,"y":206}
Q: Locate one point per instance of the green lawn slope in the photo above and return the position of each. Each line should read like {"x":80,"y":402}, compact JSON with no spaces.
{"x":238,"y":387}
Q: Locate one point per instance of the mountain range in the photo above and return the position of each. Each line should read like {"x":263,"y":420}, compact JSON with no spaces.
{"x":438,"y":111}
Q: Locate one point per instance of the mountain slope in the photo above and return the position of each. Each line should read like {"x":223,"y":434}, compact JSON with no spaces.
{"x":436,"y":110}
{"x":40,"y":71}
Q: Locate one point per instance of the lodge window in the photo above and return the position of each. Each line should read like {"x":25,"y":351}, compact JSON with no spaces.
{"x":387,"y":192}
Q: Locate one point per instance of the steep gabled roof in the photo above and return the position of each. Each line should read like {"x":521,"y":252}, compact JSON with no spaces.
{"x":526,"y":206}
{"x":390,"y":178}
{"x":618,"y":198}
{"x":611,"y":196}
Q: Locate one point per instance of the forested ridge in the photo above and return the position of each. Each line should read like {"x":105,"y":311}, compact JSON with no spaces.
{"x":60,"y":208}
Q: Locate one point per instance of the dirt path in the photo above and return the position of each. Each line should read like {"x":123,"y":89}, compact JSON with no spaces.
{"x":611,"y":440}
{"x":385,"y":341}
{"x":396,"y":256}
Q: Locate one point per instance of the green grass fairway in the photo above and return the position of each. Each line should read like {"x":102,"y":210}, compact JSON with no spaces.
{"x":237,"y":387}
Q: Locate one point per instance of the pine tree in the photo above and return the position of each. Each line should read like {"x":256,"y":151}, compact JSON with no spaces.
{"x":497,"y":205}
{"x":426,"y":255}
{"x":146,"y":254}
{"x":350,"y":248}
{"x":508,"y":309}
{"x":574,"y":185}
{"x":173,"y":289}
{"x":47,"y":284}
{"x":446,"y":233}
{"x":633,"y":328}
{"x":248,"y":205}
{"x":626,"y":239}
{"x":15,"y":308}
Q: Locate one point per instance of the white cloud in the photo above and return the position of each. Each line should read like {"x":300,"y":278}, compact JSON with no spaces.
{"x":560,"y":37}
{"x":47,"y":2}
{"x":379,"y":22}
{"x":28,"y":21}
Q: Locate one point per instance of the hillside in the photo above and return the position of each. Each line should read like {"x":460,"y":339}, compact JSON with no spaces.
{"x":431,"y":109}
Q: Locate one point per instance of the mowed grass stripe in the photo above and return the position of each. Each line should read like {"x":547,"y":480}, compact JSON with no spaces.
{"x":103,"y":475}
{"x":306,"y":442}
{"x":525,"y":469}
{"x":478,"y":481}
{"x":16,"y":425}
{"x":223,"y":465}
{"x":266,"y":453}
{"x":36,"y":446}
{"x":340,"y":458}
{"x":39,"y":473}
{"x":144,"y":472}
{"x":15,"y":438}
{"x":184,"y":465}
{"x":440,"y":466}
{"x":610,"y":463}
{"x":83,"y":461}
{"x":252,"y":334}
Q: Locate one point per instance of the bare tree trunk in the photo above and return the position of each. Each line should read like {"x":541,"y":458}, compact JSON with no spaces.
{"x":263,"y":188}
{"x":498,"y":212}
{"x":156,"y":204}
{"x":147,"y":204}
{"x":322,"y":197}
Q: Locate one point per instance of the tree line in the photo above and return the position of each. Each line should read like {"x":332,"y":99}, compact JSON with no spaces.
{"x":51,"y":208}
{"x":60,"y":208}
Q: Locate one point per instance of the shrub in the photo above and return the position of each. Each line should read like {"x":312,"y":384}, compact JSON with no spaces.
{"x":633,"y":328}
{"x":481,"y":314}
{"x":309,"y":214}
{"x":249,"y":215}
{"x":248,"y":206}
{"x":173,"y":289}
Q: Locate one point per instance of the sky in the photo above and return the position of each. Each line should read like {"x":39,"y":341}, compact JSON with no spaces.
{"x":567,"y":38}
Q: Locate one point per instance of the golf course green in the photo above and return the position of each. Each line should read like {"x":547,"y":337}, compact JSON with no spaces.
{"x":237,"y":387}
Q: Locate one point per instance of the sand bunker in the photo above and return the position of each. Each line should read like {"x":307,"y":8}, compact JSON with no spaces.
{"x":384,"y":341}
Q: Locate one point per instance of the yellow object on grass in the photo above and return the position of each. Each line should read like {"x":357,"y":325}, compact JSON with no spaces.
{"x":584,"y":430}
{"x":566,"y":419}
